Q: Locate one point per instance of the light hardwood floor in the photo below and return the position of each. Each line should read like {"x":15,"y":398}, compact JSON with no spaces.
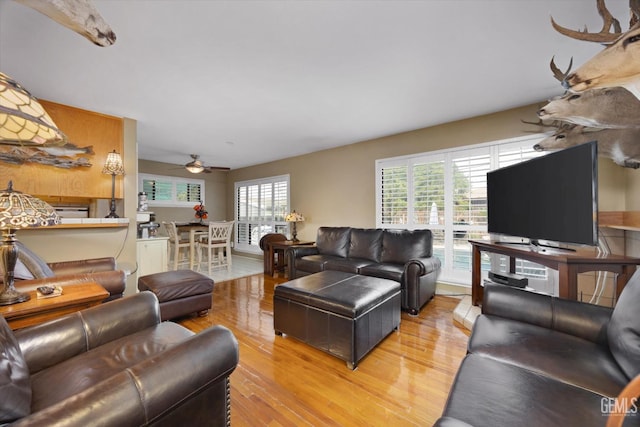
{"x":279,"y":381}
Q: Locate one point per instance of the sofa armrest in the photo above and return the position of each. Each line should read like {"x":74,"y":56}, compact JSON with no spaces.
{"x":422,"y":266}
{"x":83,"y":266}
{"x":113,"y":281}
{"x":576,"y":318}
{"x":300,"y":251}
{"x":418,"y":282}
{"x":146,"y":392}
{"x":52,"y":342}
{"x":294,"y":252}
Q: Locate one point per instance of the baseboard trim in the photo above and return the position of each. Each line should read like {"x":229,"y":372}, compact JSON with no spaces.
{"x":452,"y":289}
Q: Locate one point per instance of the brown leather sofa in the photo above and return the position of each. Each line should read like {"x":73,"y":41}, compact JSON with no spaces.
{"x":405,"y":256}
{"x":36,"y":272}
{"x":542,"y":361}
{"x":116,"y":364}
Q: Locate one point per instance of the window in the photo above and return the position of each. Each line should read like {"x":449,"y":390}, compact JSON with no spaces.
{"x":446,"y":192}
{"x":171,"y":191}
{"x":260,"y":208}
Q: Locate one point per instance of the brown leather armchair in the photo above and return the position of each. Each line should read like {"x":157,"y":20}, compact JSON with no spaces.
{"x":116,"y":364}
{"x":540,"y":360}
{"x":102,"y":271}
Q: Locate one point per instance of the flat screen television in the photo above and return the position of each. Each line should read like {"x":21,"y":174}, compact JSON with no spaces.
{"x":552,"y":198}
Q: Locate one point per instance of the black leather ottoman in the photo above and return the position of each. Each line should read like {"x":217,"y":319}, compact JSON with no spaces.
{"x":179,"y":292}
{"x":341,"y":313}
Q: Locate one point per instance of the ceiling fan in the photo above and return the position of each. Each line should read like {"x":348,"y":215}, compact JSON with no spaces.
{"x":196,"y":166}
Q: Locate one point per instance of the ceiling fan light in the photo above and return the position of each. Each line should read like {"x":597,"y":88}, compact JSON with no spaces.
{"x":194,"y":167}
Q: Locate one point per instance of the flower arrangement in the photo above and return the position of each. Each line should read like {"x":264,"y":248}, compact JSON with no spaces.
{"x":201,"y":212}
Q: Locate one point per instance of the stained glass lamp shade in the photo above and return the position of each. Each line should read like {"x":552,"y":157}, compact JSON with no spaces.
{"x":18,"y":210}
{"x":294,"y":217}
{"x":22,"y":119}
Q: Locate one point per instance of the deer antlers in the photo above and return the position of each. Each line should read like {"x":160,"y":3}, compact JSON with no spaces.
{"x":557,"y":73}
{"x":605,"y":35}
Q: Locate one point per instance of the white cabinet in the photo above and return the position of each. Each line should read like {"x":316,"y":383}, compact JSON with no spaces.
{"x":152,"y":255}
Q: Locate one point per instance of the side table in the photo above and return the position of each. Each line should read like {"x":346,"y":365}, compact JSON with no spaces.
{"x":35,"y":311}
{"x":277,"y":248}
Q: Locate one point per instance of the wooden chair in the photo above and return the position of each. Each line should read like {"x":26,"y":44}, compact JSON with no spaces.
{"x":176,"y":242}
{"x":217,"y":242}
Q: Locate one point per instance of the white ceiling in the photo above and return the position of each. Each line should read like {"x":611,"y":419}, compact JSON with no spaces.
{"x":247,"y":82}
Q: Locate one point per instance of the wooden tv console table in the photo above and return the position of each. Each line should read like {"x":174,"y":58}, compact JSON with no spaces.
{"x":569,"y":265}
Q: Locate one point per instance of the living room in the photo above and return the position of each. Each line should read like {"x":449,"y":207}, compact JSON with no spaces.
{"x":330,"y":186}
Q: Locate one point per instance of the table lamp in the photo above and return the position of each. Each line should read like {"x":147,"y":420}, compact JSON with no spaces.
{"x":18,"y":210}
{"x":113,"y":166}
{"x":294,"y":217}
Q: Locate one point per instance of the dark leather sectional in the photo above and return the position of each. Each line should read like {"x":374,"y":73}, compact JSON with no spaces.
{"x":536,"y":360}
{"x":405,"y":256}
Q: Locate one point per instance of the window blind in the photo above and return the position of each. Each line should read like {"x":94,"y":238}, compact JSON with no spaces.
{"x":261,"y":206}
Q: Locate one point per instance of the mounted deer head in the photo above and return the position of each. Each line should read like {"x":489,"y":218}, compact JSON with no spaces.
{"x":621,"y":145}
{"x":618,"y":64}
{"x":602,"y":108}
{"x":80,"y":16}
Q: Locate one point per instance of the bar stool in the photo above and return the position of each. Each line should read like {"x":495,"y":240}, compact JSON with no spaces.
{"x":176,"y":242}
{"x":217,"y":242}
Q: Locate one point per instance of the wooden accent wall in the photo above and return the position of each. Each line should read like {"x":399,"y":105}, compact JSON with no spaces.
{"x":83,"y":128}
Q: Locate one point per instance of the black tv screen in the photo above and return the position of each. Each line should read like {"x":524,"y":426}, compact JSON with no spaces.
{"x":552,"y":197}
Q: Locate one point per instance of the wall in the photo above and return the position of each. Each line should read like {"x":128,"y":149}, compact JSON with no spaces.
{"x":337,"y":186}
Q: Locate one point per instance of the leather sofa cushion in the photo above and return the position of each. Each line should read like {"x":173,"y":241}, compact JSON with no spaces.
{"x":567,"y":358}
{"x":366,"y":244}
{"x":349,"y":265}
{"x":15,"y":385}
{"x":487,"y":392}
{"x":384,"y":271}
{"x":399,"y":246}
{"x":623,"y":331}
{"x":87,"y":369}
{"x":312,"y":263}
{"x":333,"y":241}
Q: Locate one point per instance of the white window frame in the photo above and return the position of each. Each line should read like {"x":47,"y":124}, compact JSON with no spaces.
{"x":276,"y":226}
{"x":492,"y":148}
{"x":174,"y":180}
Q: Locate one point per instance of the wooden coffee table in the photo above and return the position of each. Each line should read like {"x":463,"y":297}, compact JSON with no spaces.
{"x":35,"y":311}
